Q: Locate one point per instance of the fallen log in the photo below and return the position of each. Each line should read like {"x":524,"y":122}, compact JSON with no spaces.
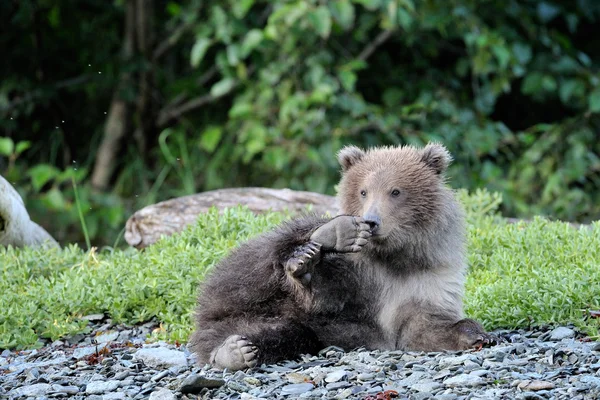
{"x":147,"y":225}
{"x":16,"y":227}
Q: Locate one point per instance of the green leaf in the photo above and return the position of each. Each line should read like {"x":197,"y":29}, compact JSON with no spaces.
{"x":233,"y":54}
{"x":348,"y":79}
{"x":210,"y":138}
{"x":369,"y":4}
{"x":222,"y":87}
{"x":252,"y":39}
{"x":571,"y":88}
{"x":240,"y":110}
{"x":343,"y":13}
{"x":320,"y":18}
{"x":241,"y":7}
{"x":6,"y":146}
{"x":173,"y":9}
{"x":41,"y":174}
{"x":502,"y":55}
{"x":198,"y":51}
{"x":55,"y":200}
{"x":22,"y":146}
{"x":594,"y":101}
{"x":547,"y":12}
{"x":404,"y":18}
{"x":532,"y":83}
{"x":522,"y":52}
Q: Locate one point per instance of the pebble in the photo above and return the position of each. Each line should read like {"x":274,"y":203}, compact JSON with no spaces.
{"x":162,"y":394}
{"x":562,"y":333}
{"x":297,"y":388}
{"x":536,"y":364}
{"x":161,"y":357}
{"x":194,"y":383}
{"x":99,"y":387}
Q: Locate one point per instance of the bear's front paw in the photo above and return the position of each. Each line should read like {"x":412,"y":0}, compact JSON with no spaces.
{"x":299,"y":266}
{"x":236,"y":353}
{"x":344,"y":234}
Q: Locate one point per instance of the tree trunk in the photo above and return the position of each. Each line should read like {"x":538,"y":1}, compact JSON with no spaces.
{"x":147,"y":225}
{"x":145,"y":110}
{"x":117,"y":121}
{"x":16,"y":228}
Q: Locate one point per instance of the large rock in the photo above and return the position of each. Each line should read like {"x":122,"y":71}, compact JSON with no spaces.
{"x":147,"y":225}
{"x":16,"y":228}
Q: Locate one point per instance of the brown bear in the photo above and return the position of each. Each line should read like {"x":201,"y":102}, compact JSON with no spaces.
{"x":388,"y":273}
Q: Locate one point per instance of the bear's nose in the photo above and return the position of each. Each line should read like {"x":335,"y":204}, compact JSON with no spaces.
{"x":373,"y":220}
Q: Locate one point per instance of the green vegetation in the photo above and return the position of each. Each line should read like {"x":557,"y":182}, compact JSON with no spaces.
{"x":224,"y":93}
{"x":521,"y":275}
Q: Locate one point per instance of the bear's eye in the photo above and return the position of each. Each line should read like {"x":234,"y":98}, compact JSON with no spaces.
{"x":363,"y":193}
{"x":395,"y":193}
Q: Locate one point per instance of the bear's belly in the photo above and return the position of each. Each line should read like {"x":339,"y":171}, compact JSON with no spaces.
{"x":404,"y":297}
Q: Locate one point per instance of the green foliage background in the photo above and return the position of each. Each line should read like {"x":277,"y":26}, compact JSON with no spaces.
{"x":511,"y":87}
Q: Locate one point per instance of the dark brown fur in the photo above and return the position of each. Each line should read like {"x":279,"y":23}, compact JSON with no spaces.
{"x":278,"y":295}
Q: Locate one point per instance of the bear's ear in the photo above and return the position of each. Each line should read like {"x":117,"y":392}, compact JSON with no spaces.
{"x":437,"y":157}
{"x":348,"y":156}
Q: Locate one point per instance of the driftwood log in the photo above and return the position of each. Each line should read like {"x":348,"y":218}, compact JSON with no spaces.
{"x":16,"y":228}
{"x":147,"y":225}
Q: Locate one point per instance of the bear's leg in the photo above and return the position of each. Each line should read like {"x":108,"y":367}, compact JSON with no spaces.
{"x":435,"y":332}
{"x":238,"y":344}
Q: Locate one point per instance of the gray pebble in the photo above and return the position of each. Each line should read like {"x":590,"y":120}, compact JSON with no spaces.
{"x":194,"y":383}
{"x":297,"y":388}
{"x":162,"y":394}
{"x":99,"y":387}
{"x":160,"y":357}
{"x":562,"y":333}
{"x":464,"y":380}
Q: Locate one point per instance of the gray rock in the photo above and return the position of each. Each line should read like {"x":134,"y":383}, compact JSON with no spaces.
{"x":335,"y":376}
{"x":69,"y":390}
{"x":464,"y":380}
{"x":337,"y":385}
{"x":297,"y":388}
{"x":100,"y":387}
{"x":365,"y":376}
{"x":114,"y":396}
{"x":93,"y":317}
{"x":162,"y":394}
{"x":562,"y":333}
{"x":82,"y":352}
{"x":426,"y":387}
{"x":160,"y":357}
{"x":194,"y":383}
{"x":107,"y":337}
{"x":35,"y":390}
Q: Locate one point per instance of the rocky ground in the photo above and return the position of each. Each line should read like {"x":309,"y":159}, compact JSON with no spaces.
{"x":117,"y":363}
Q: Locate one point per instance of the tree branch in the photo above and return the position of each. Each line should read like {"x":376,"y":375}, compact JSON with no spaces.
{"x":165,"y":115}
{"x":372,"y":46}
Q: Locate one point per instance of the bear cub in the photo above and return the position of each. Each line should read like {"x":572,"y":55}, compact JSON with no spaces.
{"x":387,"y":273}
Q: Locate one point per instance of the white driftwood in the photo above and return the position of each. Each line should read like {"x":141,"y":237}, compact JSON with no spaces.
{"x":16,"y":228}
{"x":147,"y":225}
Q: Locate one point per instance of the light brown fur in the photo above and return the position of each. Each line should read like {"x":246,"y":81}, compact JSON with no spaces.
{"x":416,"y":258}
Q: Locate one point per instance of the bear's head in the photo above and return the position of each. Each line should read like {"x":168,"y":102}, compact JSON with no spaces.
{"x":399,"y":191}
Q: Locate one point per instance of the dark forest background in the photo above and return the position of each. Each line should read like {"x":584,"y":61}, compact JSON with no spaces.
{"x":130,"y":102}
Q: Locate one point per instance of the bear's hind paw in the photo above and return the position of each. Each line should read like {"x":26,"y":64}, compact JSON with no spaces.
{"x":236,"y":353}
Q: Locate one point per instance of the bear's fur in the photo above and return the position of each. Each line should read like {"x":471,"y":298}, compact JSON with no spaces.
{"x":386,"y":274}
